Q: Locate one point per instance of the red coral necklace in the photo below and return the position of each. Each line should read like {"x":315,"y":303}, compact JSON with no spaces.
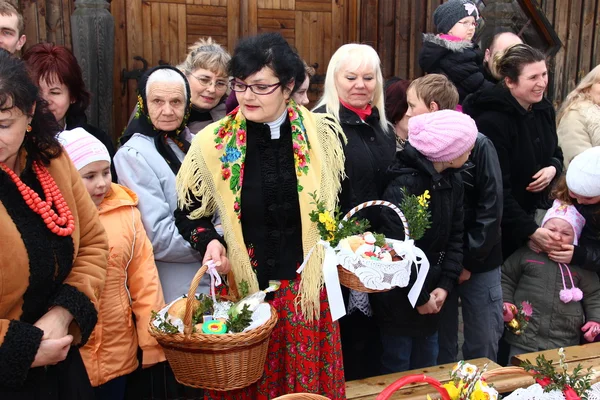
{"x":61,"y":224}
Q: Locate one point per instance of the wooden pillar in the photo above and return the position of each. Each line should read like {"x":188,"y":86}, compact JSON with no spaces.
{"x":93,"y":33}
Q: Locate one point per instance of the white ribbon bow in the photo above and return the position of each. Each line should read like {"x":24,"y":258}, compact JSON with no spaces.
{"x":408,"y":251}
{"x":215,"y":278}
{"x":331,"y":278}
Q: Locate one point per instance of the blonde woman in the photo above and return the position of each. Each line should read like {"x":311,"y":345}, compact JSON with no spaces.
{"x":579,"y":117}
{"x":354,"y":96}
{"x":206,"y":70}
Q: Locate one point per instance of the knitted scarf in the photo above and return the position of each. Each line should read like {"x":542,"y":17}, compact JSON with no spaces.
{"x":213,"y":172}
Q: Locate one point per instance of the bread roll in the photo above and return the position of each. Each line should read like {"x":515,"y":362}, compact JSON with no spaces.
{"x":177,"y":309}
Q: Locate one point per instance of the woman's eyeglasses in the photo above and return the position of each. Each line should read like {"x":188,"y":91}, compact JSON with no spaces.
{"x":207,"y":82}
{"x":468,"y":24}
{"x":259,"y":88}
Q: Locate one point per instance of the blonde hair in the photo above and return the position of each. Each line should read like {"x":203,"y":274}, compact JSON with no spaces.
{"x":580,"y":93}
{"x":493,"y":64}
{"x":206,"y":54}
{"x":353,"y":56}
{"x":436,"y":88}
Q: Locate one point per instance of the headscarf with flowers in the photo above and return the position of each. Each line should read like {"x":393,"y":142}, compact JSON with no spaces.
{"x":212,"y":176}
{"x":141,"y":123}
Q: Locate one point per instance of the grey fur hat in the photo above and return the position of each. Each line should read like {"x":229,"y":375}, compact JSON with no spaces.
{"x":449,"y":13}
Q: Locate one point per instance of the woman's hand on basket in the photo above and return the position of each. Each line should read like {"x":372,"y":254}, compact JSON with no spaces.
{"x":542,"y":179}
{"x":52,"y":351}
{"x":216,"y":251}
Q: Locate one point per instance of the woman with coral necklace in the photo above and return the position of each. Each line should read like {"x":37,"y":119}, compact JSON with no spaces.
{"x":53,"y":250}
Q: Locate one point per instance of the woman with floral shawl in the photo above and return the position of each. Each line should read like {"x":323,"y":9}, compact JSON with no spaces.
{"x":257,"y":168}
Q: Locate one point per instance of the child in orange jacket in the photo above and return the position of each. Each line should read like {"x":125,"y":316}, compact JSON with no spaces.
{"x":132,"y":282}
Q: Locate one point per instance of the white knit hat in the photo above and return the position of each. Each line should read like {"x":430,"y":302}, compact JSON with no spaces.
{"x":82,"y":147}
{"x":583,"y":174}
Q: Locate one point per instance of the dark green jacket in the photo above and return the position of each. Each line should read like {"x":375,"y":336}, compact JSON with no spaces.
{"x":535,"y":278}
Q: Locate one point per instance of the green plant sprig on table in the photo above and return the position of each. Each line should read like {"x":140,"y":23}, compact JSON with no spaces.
{"x":579,"y":380}
{"x":416,"y":210}
{"x":333,"y":228}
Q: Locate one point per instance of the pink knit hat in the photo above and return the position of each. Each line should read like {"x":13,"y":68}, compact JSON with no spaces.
{"x":82,"y":147}
{"x":568,"y":213}
{"x":442,"y":135}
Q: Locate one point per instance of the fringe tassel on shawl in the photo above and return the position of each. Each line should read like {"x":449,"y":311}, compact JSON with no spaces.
{"x":330,"y":134}
{"x":194,"y":181}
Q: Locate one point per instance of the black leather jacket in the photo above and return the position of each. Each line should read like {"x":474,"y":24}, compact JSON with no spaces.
{"x":483,"y":208}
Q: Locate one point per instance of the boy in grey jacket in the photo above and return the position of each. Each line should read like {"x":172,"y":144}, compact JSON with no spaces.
{"x":565,"y":299}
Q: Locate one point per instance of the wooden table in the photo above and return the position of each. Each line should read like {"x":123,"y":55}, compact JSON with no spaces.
{"x":368,"y":389}
{"x":588,"y":355}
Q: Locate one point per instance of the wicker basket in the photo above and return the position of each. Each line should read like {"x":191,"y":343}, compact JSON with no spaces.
{"x":217,"y":362}
{"x":400,"y":383}
{"x":347,"y":278}
{"x":301,"y":396}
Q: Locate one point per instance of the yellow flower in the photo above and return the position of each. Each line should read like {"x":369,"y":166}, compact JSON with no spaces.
{"x":326,"y":219}
{"x":426,"y":195}
{"x":452,"y":390}
{"x":479,"y":395}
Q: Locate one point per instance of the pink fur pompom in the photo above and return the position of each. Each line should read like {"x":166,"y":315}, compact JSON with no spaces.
{"x":566,"y":295}
{"x":577,"y":294}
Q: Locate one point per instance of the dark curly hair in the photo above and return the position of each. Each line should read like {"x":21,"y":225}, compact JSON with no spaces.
{"x":267,"y":50}
{"x":18,"y":91}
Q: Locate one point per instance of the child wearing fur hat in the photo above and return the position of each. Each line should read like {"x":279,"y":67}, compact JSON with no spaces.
{"x":132,"y":283}
{"x":438,"y":146}
{"x":562,"y":296}
{"x":451,"y":52}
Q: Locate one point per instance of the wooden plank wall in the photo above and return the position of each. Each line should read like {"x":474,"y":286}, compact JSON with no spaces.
{"x":394,"y":28}
{"x":161,"y":31}
{"x":46,"y":21}
{"x":577,"y":23}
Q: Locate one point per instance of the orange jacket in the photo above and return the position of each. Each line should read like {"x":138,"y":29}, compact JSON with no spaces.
{"x":132,"y":285}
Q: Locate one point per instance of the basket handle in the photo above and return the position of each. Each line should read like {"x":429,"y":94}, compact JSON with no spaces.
{"x":388,"y":391}
{"x":191,"y":296}
{"x":371,"y":203}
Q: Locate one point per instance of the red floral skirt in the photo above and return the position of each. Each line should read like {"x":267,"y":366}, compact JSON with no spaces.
{"x":303,"y":356}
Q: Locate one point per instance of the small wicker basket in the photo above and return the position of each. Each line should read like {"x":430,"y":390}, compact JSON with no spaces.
{"x":217,"y":362}
{"x":347,"y":278}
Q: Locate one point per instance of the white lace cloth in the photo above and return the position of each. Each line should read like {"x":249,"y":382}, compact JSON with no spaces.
{"x":380,"y":275}
{"x":536,"y":392}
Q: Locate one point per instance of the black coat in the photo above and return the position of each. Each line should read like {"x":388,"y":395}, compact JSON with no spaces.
{"x":526,"y":141}
{"x":369,"y":152}
{"x":483,"y":208}
{"x":413,"y":171}
{"x":461,"y":62}
{"x":587,"y":252}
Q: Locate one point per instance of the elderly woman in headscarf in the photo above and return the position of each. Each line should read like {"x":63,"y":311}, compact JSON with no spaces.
{"x":152,"y":149}
{"x":206,"y":70}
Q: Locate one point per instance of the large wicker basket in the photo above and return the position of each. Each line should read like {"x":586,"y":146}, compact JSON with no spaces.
{"x":218,"y":362}
{"x":347,"y":278}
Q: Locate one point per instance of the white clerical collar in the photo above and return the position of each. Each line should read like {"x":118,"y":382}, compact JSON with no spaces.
{"x":275,"y":125}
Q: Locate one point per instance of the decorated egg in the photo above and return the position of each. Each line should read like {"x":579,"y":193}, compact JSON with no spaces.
{"x":214,"y":327}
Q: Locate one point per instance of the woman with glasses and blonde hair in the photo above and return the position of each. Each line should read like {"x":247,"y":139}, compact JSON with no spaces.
{"x":353,"y":94}
{"x":579,"y":117}
{"x":206,"y":70}
{"x":258,"y":168}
